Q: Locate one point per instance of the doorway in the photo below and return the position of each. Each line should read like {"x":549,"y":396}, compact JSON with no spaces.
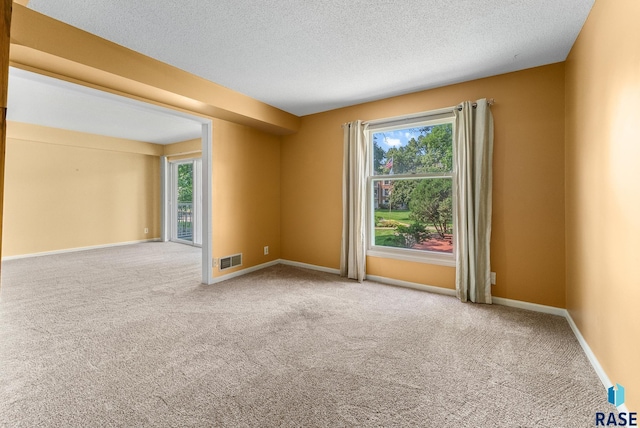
{"x":45,"y":101}
{"x":186,"y":202}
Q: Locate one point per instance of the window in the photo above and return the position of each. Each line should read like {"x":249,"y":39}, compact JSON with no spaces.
{"x":411,"y":189}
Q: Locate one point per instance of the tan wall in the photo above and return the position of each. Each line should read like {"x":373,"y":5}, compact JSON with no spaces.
{"x":190,"y":156}
{"x":183,"y":150}
{"x":528,"y":223}
{"x":246,"y":194}
{"x":61,"y":195}
{"x":67,"y":189}
{"x":603,"y":197}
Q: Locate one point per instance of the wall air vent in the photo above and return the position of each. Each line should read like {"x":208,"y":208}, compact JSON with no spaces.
{"x":230,"y":261}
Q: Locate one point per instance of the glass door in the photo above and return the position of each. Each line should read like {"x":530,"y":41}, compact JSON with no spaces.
{"x":186,"y":202}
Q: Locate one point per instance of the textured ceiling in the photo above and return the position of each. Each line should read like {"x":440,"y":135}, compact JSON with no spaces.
{"x":311,"y":56}
{"x":45,"y":101}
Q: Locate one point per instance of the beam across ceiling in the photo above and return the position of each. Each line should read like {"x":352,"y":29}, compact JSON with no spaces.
{"x":48,"y":46}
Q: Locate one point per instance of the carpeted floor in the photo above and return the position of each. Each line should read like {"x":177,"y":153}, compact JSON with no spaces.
{"x":128,"y":337}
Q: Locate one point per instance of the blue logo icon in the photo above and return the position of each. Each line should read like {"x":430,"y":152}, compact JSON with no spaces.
{"x":616,"y":396}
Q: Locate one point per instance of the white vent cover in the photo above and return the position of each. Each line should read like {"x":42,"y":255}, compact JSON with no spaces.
{"x":230,"y":261}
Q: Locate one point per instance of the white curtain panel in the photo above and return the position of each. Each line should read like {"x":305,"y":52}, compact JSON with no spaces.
{"x":354,"y":197}
{"x":472,"y":219}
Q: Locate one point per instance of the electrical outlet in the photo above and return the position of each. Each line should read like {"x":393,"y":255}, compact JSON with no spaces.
{"x":266,"y":250}
{"x":493,"y":278}
{"x":146,"y":230}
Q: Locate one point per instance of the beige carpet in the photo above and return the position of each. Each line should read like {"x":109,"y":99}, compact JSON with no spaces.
{"x":127,"y":337}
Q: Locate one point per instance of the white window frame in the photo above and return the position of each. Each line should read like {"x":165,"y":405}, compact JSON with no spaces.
{"x":419,"y":120}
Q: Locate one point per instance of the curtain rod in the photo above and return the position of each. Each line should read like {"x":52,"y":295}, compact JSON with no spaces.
{"x":490,"y":101}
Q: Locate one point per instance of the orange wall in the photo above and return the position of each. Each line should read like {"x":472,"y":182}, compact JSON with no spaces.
{"x":603,"y":197}
{"x":246,"y":194}
{"x":528,"y":208}
{"x":63,"y":192}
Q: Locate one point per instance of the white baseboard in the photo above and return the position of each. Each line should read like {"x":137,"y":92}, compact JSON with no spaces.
{"x":529,"y":306}
{"x":76,"y":249}
{"x":606,"y":382}
{"x":587,"y":350}
{"x":602,"y":375}
{"x":241,"y":272}
{"x":381,"y":279}
{"x":309,"y":266}
{"x":414,"y":285}
{"x":273,"y":263}
{"x":623,"y":409}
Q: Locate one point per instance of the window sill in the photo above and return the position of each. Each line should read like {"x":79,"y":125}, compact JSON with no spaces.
{"x":430,"y":257}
